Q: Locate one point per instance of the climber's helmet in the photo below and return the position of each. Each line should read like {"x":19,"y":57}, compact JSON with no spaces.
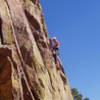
{"x":54,"y":38}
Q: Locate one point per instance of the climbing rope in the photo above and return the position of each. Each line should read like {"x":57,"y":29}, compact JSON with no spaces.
{"x":21,"y":67}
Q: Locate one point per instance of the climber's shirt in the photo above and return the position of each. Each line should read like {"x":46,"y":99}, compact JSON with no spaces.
{"x":54,"y":45}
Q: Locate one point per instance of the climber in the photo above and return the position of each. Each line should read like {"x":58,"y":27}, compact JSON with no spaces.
{"x":54,"y":45}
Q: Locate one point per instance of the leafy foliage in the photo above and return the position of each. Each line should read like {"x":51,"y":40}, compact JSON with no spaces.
{"x":77,"y":95}
{"x":86,"y":99}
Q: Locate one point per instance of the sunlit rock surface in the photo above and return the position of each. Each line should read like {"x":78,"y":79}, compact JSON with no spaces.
{"x":27,"y":67}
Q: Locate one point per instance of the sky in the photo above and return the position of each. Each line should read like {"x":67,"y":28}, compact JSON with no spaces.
{"x":76,"y":24}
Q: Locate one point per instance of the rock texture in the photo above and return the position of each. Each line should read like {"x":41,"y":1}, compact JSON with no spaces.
{"x":27,"y":67}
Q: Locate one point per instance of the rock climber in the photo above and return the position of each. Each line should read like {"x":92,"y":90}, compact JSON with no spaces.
{"x":54,"y":45}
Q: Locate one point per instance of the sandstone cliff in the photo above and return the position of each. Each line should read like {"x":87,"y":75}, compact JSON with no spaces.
{"x":27,"y":67}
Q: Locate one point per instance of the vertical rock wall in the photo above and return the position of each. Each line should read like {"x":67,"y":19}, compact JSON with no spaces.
{"x":27,"y":67}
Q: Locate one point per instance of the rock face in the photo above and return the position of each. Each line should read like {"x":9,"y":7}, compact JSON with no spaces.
{"x":27,"y":67}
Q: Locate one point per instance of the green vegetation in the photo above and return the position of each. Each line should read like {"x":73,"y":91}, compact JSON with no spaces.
{"x":77,"y":95}
{"x":86,"y":99}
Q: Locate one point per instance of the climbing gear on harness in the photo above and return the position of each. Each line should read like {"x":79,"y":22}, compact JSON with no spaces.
{"x":54,"y":44}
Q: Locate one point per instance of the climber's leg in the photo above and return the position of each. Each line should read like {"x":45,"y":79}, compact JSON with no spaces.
{"x":56,"y":59}
{"x":58,"y":65}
